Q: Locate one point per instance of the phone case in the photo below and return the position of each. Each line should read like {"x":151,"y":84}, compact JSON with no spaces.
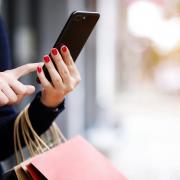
{"x":75,"y":33}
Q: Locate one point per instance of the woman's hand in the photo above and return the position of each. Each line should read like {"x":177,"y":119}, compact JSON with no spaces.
{"x":13,"y":91}
{"x":64,"y":79}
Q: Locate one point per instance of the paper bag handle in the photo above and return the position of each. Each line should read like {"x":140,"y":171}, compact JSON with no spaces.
{"x":35,"y":144}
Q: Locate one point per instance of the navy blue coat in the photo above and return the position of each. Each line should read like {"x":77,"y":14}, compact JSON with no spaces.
{"x":41,"y":116}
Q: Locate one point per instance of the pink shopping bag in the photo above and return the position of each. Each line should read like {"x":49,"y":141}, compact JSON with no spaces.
{"x":74,"y":160}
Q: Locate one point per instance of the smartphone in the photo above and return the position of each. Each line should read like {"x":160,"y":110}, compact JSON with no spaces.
{"x":75,"y":33}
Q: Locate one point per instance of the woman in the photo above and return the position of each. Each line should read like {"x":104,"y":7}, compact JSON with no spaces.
{"x":46,"y":105}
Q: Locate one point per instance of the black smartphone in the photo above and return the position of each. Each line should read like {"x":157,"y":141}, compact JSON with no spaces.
{"x":75,"y":33}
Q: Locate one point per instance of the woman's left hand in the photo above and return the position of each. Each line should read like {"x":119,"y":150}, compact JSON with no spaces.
{"x":65,"y":77}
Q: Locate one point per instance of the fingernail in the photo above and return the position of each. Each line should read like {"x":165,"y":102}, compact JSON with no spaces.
{"x":54,"y":51}
{"x":39,"y":69}
{"x":46,"y":58}
{"x":64,"y":48}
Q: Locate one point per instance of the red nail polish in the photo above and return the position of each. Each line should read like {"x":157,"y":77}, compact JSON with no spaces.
{"x":64,"y":48}
{"x":39,"y":69}
{"x":54,"y":51}
{"x":46,"y":58}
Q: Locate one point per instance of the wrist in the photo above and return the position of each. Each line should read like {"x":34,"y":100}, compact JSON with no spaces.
{"x":50,"y":102}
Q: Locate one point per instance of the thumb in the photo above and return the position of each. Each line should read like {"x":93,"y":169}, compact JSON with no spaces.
{"x":30,"y":89}
{"x":25,"y":69}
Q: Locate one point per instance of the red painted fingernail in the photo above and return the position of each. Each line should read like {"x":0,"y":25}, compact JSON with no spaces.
{"x":39,"y":69}
{"x":46,"y":58}
{"x":64,"y":48}
{"x":54,"y":51}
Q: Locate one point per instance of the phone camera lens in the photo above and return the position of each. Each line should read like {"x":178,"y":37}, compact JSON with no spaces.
{"x":78,"y":18}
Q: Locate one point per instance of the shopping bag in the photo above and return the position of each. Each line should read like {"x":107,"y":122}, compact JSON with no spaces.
{"x":23,"y":131}
{"x":74,"y":160}
{"x":22,"y":173}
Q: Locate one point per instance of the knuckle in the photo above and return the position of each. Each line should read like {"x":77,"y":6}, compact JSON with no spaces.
{"x":57,"y":80}
{"x":22,"y":91}
{"x":49,"y":66}
{"x":47,"y":86}
{"x":70,"y":63}
{"x":4,"y":101}
{"x":71,"y":60}
{"x":78,"y":79}
{"x":65,"y":72}
{"x":13,"y":99}
{"x":28,"y":66}
{"x":70,"y":88}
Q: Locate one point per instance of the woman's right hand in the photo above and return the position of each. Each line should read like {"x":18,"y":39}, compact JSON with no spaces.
{"x":13,"y":91}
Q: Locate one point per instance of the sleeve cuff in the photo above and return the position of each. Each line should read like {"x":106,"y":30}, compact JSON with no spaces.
{"x":41,"y":116}
{"x":57,"y":109}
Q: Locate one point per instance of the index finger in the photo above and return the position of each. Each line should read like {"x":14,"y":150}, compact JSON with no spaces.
{"x":25,"y":69}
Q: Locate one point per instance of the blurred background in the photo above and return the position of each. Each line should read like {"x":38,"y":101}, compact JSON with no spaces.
{"x":128,"y":102}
